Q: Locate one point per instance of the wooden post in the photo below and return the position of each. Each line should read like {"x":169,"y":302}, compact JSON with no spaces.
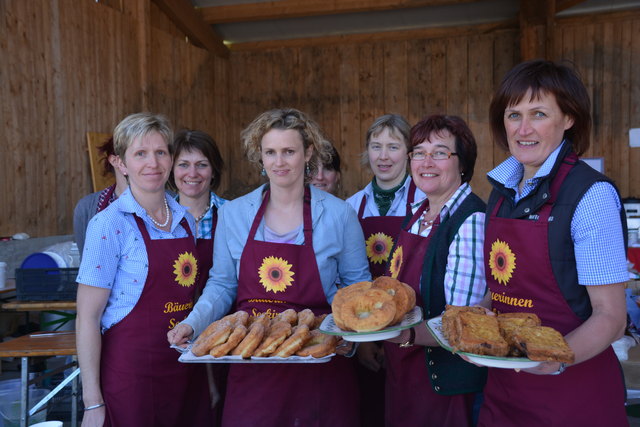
{"x":537,"y":21}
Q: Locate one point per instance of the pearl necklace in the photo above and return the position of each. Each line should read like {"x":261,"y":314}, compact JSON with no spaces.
{"x":424,"y":222}
{"x":166,"y":212}
{"x":201,"y":216}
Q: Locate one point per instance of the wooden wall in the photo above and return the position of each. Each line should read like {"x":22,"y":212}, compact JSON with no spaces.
{"x":69,"y":67}
{"x":345,"y":86}
{"x":72,"y":66}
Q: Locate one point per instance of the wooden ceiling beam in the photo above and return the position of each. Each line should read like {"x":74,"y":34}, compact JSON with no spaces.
{"x":283,"y":9}
{"x":566,"y":4}
{"x":182,"y":13}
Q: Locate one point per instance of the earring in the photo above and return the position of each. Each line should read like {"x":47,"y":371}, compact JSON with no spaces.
{"x":307,"y":169}
{"x":263,"y":172}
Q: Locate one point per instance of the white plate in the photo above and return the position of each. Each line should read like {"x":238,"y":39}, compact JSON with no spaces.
{"x":435,"y":327}
{"x":411,"y":319}
{"x":188,"y":357}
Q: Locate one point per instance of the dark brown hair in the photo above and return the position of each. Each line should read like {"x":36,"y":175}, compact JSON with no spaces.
{"x":542,"y":77}
{"x":195,"y":140}
{"x":466,"y":146}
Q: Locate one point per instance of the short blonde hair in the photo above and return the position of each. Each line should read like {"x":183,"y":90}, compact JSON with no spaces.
{"x":138,"y":125}
{"x":285,"y":119}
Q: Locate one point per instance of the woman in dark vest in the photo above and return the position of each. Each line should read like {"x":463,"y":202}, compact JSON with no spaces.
{"x":555,"y":238}
{"x":439,"y":254}
{"x":306,"y":240}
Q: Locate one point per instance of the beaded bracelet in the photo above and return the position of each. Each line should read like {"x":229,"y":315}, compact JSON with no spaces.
{"x":99,"y":405}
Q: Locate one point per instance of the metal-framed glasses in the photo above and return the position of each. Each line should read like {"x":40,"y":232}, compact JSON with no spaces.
{"x":436,"y":155}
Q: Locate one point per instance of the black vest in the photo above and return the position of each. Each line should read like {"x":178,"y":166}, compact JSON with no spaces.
{"x":561,"y":249}
{"x":448,"y":373}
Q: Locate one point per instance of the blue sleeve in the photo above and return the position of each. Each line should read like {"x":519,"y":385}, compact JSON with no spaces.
{"x":596,"y":230}
{"x":353,"y":266}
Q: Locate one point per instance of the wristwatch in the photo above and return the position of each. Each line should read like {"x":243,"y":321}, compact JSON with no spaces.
{"x":561,"y":369}
{"x":410,"y":341}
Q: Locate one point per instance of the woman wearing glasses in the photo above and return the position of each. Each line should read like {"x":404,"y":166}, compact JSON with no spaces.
{"x":438,"y":253}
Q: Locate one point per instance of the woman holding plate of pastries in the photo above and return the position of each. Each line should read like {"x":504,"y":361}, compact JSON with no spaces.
{"x":439,"y":254}
{"x":555,"y":245}
{"x":139,"y":258}
{"x":283,"y":246}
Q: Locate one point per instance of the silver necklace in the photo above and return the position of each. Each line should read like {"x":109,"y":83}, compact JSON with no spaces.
{"x":166,"y":212}
{"x":201,"y":216}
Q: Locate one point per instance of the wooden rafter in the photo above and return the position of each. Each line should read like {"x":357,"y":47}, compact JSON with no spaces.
{"x":182,"y":13}
{"x":566,"y":4}
{"x":300,"y":8}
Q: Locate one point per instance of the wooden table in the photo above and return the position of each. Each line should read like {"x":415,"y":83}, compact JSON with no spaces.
{"x":39,"y":305}
{"x":45,"y":344}
{"x":52,"y":307}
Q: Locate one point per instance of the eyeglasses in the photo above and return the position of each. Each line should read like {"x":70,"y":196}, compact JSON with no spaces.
{"x":436,"y":155}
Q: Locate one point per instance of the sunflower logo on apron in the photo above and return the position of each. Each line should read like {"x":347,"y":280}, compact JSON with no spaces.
{"x":379,"y":247}
{"x":185,"y":269}
{"x":275,"y":274}
{"x":502,"y":261}
{"x":396,"y":263}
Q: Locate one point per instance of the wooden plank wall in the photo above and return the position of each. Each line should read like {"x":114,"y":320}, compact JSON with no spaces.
{"x":606,"y":51}
{"x":345,"y":87}
{"x":73,"y":66}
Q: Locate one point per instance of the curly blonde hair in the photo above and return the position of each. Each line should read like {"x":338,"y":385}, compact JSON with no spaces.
{"x":284,"y":119}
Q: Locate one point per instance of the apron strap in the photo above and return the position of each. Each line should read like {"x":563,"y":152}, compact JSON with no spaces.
{"x":306,"y":215}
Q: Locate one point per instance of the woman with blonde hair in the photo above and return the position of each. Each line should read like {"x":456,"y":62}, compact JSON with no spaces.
{"x":138,"y":261}
{"x":308,"y":240}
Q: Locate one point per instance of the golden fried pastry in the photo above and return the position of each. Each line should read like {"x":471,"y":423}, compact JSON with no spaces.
{"x":319,"y":345}
{"x":368,"y":311}
{"x":300,"y":335}
{"x":343,"y":295}
{"x":509,"y":323}
{"x":448,"y":320}
{"x":289,"y":315}
{"x":399,"y":293}
{"x":262,"y":318}
{"x":479,"y":334}
{"x":306,"y":317}
{"x":277,"y":333}
{"x":216,"y":333}
{"x":543,"y":343}
{"x":411,"y":293}
{"x":251,"y":341}
{"x":318,"y":321}
{"x":236,"y":336}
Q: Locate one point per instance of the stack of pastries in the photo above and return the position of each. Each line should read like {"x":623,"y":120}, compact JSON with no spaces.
{"x":372,"y":306}
{"x":471,"y":330}
{"x":290,"y":333}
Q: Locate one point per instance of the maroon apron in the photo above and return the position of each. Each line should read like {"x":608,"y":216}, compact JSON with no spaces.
{"x":380,"y":233}
{"x":409,"y":396}
{"x":590,"y":393}
{"x":143,"y":384}
{"x":274,"y":277}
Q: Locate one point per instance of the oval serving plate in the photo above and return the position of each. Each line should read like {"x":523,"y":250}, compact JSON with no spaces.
{"x":435,"y":327}
{"x":410,"y":320}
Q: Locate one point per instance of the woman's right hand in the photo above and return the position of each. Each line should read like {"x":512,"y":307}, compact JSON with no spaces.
{"x":94,"y":417}
{"x":180,"y":334}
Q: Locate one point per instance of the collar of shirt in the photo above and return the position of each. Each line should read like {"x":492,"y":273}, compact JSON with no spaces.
{"x":128,"y":203}
{"x":450,"y":205}
{"x":510,"y":172}
{"x":400,"y":197}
